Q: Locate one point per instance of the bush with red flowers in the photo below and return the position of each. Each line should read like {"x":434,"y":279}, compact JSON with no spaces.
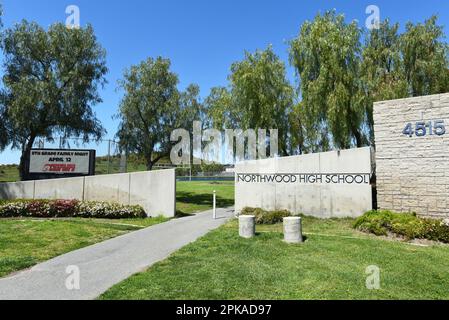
{"x":67,"y":209}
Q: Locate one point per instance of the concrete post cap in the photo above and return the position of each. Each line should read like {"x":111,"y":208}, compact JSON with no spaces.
{"x":247,"y":217}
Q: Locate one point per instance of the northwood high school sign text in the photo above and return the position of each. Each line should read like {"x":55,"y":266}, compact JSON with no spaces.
{"x":305,"y":178}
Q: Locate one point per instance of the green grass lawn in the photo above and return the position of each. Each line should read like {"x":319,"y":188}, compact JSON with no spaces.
{"x":26,"y":242}
{"x":197,"y":196}
{"x":330,"y":265}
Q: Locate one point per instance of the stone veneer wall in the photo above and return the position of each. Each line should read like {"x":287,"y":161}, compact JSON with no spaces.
{"x":412,"y":172}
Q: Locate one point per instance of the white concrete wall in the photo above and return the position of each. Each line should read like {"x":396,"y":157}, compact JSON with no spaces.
{"x":110,"y":188}
{"x":155,"y":191}
{"x":69,"y":188}
{"x":17,"y":190}
{"x":320,"y":199}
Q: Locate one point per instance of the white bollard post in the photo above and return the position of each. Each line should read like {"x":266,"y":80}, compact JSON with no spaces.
{"x":293,"y":230}
{"x":215,"y":205}
{"x":247,"y":226}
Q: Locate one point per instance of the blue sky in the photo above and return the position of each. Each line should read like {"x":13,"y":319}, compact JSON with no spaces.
{"x":201,"y":37}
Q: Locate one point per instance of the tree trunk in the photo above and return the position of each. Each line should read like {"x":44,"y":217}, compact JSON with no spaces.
{"x":358,"y":138}
{"x":285,"y":153}
{"x":149,"y":162}
{"x":25,"y":159}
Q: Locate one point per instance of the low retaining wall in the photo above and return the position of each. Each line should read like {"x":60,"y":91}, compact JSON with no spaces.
{"x":155,"y":191}
{"x":324,"y":185}
{"x":17,"y":190}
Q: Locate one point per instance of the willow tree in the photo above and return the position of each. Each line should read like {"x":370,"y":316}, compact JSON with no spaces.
{"x":51,"y":82}
{"x":152,"y":107}
{"x":425,"y":58}
{"x":413,"y":63}
{"x":259,"y":96}
{"x":4,"y":138}
{"x":326,"y":56}
{"x":382,"y":72}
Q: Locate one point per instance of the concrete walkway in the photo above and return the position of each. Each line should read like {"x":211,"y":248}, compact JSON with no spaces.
{"x":104,"y":264}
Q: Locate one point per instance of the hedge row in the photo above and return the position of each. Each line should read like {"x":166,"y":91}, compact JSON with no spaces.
{"x":266,"y":217}
{"x":68,"y":209}
{"x":408,"y":225}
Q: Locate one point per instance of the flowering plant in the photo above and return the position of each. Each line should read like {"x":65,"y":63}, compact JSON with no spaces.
{"x":68,"y":208}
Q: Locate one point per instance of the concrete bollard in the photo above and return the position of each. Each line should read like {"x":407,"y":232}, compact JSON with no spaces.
{"x":293,"y":230}
{"x":247,"y":226}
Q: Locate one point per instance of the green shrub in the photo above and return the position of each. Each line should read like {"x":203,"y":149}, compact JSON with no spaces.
{"x":266,"y":217}
{"x":408,"y":225}
{"x":436,"y":230}
{"x":67,"y":209}
{"x":248,"y":211}
{"x":376,"y":222}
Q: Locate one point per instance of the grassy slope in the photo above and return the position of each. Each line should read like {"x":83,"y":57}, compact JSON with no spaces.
{"x":330,"y":265}
{"x":26,"y":242}
{"x":9,"y":173}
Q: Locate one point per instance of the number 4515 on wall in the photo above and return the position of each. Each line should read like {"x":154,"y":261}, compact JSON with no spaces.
{"x":422,"y":128}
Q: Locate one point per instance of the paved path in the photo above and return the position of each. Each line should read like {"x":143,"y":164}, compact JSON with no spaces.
{"x":104,"y":264}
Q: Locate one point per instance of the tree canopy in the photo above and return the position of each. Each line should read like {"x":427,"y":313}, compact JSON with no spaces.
{"x":259,"y":96}
{"x":52,"y":79}
{"x":394,"y":66}
{"x":325,"y":56}
{"x":341,"y":76}
{"x":152,"y":107}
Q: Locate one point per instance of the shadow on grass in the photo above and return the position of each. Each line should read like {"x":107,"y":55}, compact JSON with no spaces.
{"x":203,"y":199}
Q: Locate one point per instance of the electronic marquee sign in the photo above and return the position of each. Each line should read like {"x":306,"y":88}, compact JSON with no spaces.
{"x":59,"y":163}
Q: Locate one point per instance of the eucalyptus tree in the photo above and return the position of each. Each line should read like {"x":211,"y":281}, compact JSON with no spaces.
{"x":51,"y":82}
